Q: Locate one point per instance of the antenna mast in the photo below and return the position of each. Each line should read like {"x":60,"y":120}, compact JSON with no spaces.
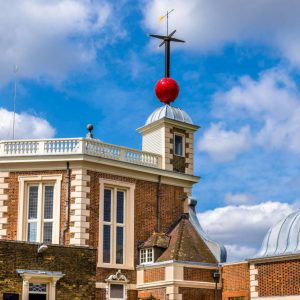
{"x":167,"y":43}
{"x":16,"y":71}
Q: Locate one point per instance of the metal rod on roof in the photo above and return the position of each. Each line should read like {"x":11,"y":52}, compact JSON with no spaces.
{"x":16,"y":71}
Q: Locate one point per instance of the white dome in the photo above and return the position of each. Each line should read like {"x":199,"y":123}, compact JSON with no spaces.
{"x":283,"y":238}
{"x":169,"y":112}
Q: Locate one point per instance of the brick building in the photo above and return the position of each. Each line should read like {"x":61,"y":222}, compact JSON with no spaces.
{"x":131,"y":211}
{"x":274,"y":272}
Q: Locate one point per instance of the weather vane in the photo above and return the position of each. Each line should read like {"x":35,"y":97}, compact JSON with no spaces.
{"x":167,"y":39}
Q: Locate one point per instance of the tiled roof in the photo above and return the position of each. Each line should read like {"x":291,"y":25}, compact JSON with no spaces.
{"x":160,"y":240}
{"x":186,"y":244}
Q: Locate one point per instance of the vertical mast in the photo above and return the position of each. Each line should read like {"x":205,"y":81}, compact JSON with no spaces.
{"x":16,"y":70}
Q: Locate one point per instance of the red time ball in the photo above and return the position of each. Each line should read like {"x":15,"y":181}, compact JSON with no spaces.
{"x":166,"y":90}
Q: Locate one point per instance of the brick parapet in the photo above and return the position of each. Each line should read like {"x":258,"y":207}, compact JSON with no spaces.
{"x":198,"y":274}
{"x":78,"y":264}
{"x":154,"y":274}
{"x":278,"y":278}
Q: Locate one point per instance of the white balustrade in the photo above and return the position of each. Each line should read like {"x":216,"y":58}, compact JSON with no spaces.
{"x":78,"y":146}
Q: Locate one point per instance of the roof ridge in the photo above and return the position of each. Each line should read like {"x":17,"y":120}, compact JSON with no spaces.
{"x":178,"y":242}
{"x":176,"y":222}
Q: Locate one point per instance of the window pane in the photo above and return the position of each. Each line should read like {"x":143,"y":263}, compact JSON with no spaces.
{"x":116,"y":291}
{"x":48,"y":205}
{"x":107,"y":205}
{"x":38,"y":287}
{"x":33,"y":202}
{"x":48,"y":232}
{"x":10,"y":296}
{"x":120,"y":207}
{"x":178,"y":145}
{"x":31,"y":235}
{"x":120,"y":238}
{"x":106,"y":243}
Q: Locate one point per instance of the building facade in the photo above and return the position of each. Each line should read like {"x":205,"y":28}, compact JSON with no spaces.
{"x":132,"y":209}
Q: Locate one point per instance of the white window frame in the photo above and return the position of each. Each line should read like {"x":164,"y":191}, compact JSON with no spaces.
{"x":40,"y":180}
{"x":146,"y":250}
{"x":183,"y":144}
{"x":128,"y":255}
{"x":124,"y":290}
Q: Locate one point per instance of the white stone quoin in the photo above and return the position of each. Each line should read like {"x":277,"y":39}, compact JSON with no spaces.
{"x":80,"y":208}
{"x":3,"y":204}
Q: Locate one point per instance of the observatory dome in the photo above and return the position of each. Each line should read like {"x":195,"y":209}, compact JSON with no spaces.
{"x":282,"y":238}
{"x":169,"y":112}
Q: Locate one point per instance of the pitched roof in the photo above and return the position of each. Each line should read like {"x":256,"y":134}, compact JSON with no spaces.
{"x":160,"y":240}
{"x":186,"y":244}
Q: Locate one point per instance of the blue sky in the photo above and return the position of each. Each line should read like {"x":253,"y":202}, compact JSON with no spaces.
{"x":92,"y":62}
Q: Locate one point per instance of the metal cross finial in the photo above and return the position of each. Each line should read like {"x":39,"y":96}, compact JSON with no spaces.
{"x":167,"y":42}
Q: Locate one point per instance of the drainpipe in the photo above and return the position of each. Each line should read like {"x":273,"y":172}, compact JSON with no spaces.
{"x":158,"y":204}
{"x":67,"y":205}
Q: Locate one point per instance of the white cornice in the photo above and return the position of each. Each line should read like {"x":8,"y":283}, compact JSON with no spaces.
{"x":136,"y":171}
{"x":175,"y":123}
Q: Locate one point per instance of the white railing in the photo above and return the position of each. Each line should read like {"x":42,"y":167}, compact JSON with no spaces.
{"x":78,"y":146}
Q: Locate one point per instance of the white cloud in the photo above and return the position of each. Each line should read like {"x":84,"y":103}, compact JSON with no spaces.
{"x":209,"y":25}
{"x":49,"y":39}
{"x":239,"y":253}
{"x":238,"y":199}
{"x":272,"y":102}
{"x":26,"y":126}
{"x":224,"y":145}
{"x":243,"y":227}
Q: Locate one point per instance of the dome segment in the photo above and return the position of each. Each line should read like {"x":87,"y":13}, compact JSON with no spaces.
{"x":283,"y":238}
{"x":170,"y":112}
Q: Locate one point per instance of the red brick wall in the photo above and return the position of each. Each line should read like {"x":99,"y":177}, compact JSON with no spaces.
{"x":156,"y":274}
{"x":280,"y":278}
{"x":198,"y":294}
{"x":236,"y":281}
{"x":197,"y":274}
{"x":158,"y":294}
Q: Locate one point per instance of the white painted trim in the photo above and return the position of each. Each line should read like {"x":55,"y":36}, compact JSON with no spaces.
{"x":179,"y":283}
{"x":99,"y":164}
{"x":129,"y":224}
{"x":103,"y":285}
{"x":24,"y":182}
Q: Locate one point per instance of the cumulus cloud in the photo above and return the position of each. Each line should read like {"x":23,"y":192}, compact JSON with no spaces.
{"x":243,"y":227}
{"x":209,"y":25}
{"x":238,"y":199}
{"x":224,"y":145}
{"x":26,"y":126}
{"x":49,"y":39}
{"x":271,"y":107}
